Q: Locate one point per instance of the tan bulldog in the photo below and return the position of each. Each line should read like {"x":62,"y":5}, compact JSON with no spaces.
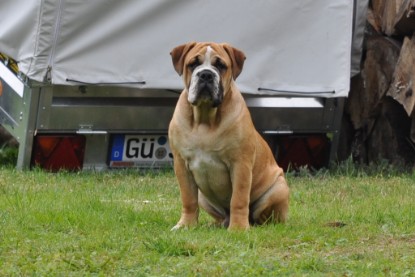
{"x":221,"y":162}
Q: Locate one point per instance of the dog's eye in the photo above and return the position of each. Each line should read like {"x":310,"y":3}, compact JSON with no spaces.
{"x":220,"y":65}
{"x":194,"y":64}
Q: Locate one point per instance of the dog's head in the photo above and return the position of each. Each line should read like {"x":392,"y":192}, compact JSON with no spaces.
{"x":208,"y":69}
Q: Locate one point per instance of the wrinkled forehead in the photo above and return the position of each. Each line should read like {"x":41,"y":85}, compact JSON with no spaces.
{"x":211,"y":51}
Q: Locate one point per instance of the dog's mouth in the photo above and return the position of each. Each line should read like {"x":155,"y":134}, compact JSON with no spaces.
{"x":207,"y":96}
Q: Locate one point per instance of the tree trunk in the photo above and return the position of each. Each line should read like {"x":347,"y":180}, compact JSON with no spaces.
{"x":376,"y":75}
{"x":380,"y":111}
{"x":381,"y":127}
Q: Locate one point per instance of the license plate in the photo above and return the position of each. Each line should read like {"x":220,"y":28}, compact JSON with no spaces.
{"x":145,"y":151}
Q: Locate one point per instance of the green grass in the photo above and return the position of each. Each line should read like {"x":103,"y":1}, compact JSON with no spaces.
{"x":118,"y":224}
{"x":8,"y":155}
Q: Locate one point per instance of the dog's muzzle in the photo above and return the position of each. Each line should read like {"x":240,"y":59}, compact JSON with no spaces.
{"x":206,"y":81}
{"x":206,"y":88}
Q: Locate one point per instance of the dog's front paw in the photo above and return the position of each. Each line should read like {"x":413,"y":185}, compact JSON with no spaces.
{"x":183,"y":226}
{"x":178,"y":227}
{"x":187,"y":220}
{"x":241,"y":225}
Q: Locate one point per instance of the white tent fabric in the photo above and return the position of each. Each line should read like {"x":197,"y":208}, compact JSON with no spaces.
{"x":291,"y":46}
{"x":358,"y":34}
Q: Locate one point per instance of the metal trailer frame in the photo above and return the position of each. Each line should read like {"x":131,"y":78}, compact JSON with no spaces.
{"x":98,"y":112}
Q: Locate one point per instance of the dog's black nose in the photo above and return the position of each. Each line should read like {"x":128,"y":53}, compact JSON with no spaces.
{"x":206,"y":76}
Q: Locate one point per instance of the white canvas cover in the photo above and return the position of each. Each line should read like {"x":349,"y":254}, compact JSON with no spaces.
{"x":291,"y":46}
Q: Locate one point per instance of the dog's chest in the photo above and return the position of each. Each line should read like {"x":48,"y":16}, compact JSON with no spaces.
{"x":211,"y":175}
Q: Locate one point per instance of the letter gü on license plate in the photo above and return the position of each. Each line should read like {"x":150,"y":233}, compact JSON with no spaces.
{"x":140,"y":151}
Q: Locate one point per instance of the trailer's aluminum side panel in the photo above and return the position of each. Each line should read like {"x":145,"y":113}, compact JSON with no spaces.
{"x":63,"y":109}
{"x":18,"y":110}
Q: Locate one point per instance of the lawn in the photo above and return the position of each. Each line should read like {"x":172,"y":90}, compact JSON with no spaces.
{"x":117,"y":223}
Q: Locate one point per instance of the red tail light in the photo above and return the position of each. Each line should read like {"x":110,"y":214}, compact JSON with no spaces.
{"x":55,"y":152}
{"x":308,"y":150}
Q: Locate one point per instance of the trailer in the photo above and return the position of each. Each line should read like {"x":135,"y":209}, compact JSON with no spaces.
{"x":90,"y":85}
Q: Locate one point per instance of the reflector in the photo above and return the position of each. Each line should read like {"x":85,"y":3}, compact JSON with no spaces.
{"x":57,"y":152}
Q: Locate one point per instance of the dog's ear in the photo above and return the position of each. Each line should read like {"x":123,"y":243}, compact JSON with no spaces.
{"x":237,"y":58}
{"x":178,"y":54}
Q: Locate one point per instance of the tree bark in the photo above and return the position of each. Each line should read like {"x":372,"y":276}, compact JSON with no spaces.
{"x":381,"y":127}
{"x":405,"y":18}
{"x":380,"y":110}
{"x":390,"y":11}
{"x":376,"y":75}
{"x":403,"y":84}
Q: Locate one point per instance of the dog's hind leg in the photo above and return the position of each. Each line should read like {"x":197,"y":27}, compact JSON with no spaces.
{"x":272,"y":205}
{"x":220,"y":215}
